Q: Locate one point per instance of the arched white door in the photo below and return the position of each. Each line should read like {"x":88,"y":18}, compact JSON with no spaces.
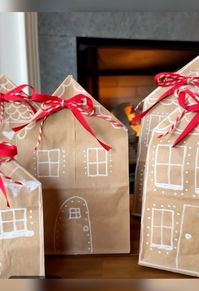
{"x":73,"y":233}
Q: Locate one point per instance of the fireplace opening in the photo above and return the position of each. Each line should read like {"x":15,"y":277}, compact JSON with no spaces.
{"x":119,"y":74}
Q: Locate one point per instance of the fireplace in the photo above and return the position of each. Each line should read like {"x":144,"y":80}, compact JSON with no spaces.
{"x":119,"y":74}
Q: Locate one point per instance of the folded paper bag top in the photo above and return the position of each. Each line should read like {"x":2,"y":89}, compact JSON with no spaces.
{"x":167,"y":88}
{"x":190,"y":104}
{"x":21,"y":218}
{"x":85,"y":186}
{"x":79,"y":105}
{"x":170,"y":216}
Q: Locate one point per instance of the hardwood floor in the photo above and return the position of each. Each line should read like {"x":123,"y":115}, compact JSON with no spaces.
{"x":106,"y":266}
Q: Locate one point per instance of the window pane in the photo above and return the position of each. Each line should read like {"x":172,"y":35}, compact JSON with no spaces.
{"x":177,"y":155}
{"x":92,"y":170}
{"x":20,"y":225}
{"x":166,"y":240}
{"x":74,"y":213}
{"x":161,"y":174}
{"x":102,"y":169}
{"x":167,"y":218}
{"x":7,"y":226}
{"x":54,"y":155}
{"x":176,"y":175}
{"x":43,"y":170}
{"x":162,"y":154}
{"x":91,"y":155}
{"x":102,"y":155}
{"x":42,"y":156}
{"x":54,"y":170}
{"x":157,"y":214}
{"x":19,"y":214}
{"x":6,"y":215}
{"x":156,"y":236}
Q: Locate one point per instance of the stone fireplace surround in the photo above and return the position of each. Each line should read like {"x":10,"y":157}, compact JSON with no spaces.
{"x":58,"y":32}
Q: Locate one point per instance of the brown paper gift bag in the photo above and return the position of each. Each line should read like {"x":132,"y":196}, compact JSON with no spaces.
{"x":85,"y":187}
{"x":21,"y":224}
{"x":149,"y":122}
{"x":170,"y":217}
{"x":12,"y":113}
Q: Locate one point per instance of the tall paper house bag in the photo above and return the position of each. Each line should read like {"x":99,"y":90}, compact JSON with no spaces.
{"x":170,"y":216}
{"x":21,"y":224}
{"x":85,"y":187}
{"x":149,"y":122}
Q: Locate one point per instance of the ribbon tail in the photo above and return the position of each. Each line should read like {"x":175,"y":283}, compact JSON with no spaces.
{"x":194,"y":121}
{"x":84,"y":123}
{"x":2,"y":187}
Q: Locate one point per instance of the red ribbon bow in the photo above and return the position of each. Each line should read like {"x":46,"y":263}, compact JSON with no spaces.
{"x":16,"y":95}
{"x":78,"y":105}
{"x":194,"y":107}
{"x":167,"y":79}
{"x":7,"y":152}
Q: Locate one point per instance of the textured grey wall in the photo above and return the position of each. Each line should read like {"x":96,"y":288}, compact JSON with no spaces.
{"x":58,"y":32}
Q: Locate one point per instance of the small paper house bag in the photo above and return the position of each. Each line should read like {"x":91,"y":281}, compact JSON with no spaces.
{"x":150,"y":121}
{"x":12,"y":113}
{"x":170,"y":217}
{"x":85,"y":187}
{"x":21,"y":224}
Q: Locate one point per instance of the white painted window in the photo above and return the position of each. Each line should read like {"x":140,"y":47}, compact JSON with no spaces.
{"x":162,"y":226}
{"x":169,"y":167}
{"x":197,"y":172}
{"x":97,"y":162}
{"x":13,"y":223}
{"x":153,"y":121}
{"x":48,"y":163}
{"x":74,"y":213}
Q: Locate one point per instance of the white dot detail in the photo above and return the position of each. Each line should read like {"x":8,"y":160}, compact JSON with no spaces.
{"x":85,"y":228}
{"x":188,"y":236}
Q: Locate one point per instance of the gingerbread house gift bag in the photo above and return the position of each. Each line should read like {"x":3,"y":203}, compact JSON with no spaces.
{"x":167,"y":89}
{"x":85,"y":181}
{"x":170,"y":217}
{"x":21,"y":219}
{"x":15,"y":107}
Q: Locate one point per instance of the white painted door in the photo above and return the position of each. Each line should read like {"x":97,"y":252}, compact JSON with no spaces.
{"x":188,"y":245}
{"x":73,"y":228}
